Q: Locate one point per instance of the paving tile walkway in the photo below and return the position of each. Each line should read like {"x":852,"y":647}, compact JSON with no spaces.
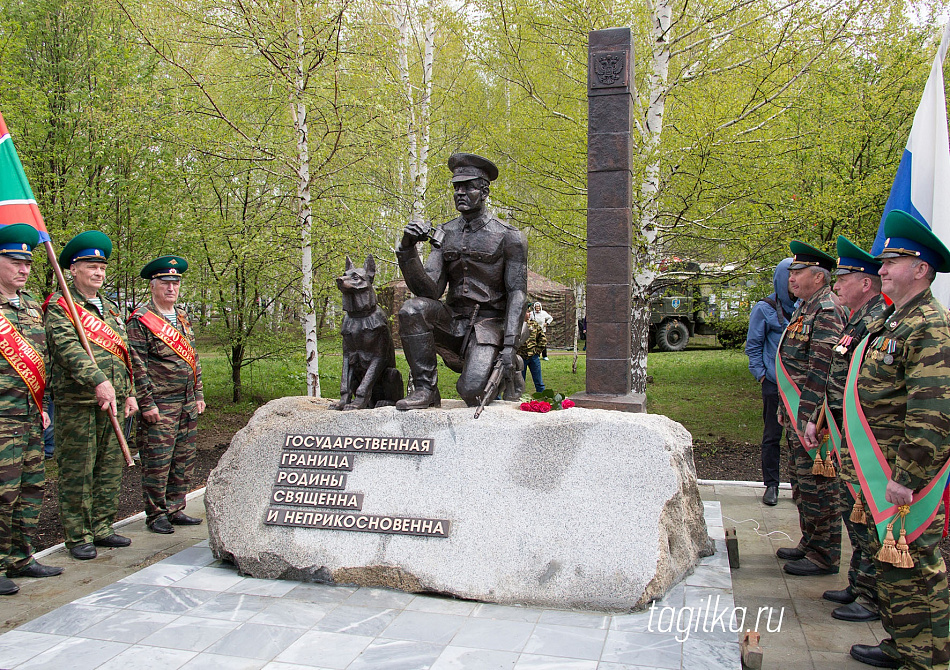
{"x":166,"y":603}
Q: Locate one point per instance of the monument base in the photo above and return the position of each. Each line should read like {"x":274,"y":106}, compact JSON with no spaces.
{"x":631,"y":402}
{"x":576,"y":508}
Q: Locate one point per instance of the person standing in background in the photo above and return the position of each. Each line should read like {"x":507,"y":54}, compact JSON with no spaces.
{"x":767,"y":321}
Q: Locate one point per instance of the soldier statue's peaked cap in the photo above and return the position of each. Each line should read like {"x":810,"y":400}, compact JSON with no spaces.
{"x":907,"y":236}
{"x":17,"y":241}
{"x":466,"y":167}
{"x":807,"y":256}
{"x":88,"y":246}
{"x":852,"y":258}
{"x":169,"y":268}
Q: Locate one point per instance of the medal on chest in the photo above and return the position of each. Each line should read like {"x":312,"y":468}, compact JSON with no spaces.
{"x":844,"y":344}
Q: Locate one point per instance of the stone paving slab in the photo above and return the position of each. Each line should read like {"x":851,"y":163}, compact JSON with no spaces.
{"x":169,"y":604}
{"x":191,"y":611}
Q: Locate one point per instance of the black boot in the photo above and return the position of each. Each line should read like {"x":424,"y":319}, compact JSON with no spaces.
{"x":420,"y":354}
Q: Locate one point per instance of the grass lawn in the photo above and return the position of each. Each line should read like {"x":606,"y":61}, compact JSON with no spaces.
{"x":710,"y":391}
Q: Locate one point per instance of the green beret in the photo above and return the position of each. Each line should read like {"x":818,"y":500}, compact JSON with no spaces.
{"x":17,"y":240}
{"x":90,"y":245}
{"x":165,"y":267}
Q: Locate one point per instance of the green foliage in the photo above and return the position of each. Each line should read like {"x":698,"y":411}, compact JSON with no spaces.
{"x":709,"y":391}
{"x":731,"y":331}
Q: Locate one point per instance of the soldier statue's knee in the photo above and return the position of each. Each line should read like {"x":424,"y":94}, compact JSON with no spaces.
{"x":469,"y":390}
{"x":412,"y":317}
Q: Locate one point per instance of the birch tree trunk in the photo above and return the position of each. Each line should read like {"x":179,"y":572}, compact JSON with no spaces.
{"x":644,"y":251}
{"x":308,"y":316}
{"x":418,"y":119}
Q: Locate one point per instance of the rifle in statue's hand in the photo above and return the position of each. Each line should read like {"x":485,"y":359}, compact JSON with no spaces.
{"x":491,"y":386}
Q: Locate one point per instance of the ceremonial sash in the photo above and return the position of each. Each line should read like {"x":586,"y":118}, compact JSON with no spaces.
{"x":873,"y":469}
{"x":791,"y":396}
{"x":100,"y":333}
{"x":24,"y":359}
{"x":171,"y":336}
{"x":834,"y":433}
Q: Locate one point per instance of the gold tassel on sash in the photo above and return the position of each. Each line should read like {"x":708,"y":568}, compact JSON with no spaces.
{"x":818,"y":468}
{"x":830,"y":471}
{"x":905,"y":560}
{"x":857,"y":512}
{"x":888,"y":552}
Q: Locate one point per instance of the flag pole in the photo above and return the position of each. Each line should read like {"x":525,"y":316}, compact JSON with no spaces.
{"x":85,"y":344}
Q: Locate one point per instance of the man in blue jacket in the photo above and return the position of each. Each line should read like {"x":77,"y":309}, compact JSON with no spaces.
{"x":767,"y":321}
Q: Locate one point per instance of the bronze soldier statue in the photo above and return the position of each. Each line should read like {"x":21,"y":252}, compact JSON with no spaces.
{"x":483,"y":262}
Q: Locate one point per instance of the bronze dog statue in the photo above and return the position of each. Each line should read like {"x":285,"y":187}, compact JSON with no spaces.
{"x":370,"y":378}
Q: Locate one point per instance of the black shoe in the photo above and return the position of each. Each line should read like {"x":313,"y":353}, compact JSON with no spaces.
{"x":113,"y":541}
{"x":83,"y":552}
{"x":805,"y":568}
{"x":35,"y":570}
{"x":873,"y":656}
{"x":843,"y":597}
{"x":179,"y":518}
{"x":854,"y":612}
{"x":160,"y":525}
{"x":770,"y":497}
{"x":790,"y":553}
{"x":7,"y":587}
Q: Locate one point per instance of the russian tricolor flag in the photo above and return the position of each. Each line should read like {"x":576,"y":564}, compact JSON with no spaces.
{"x":922,"y":184}
{"x":17,"y":204}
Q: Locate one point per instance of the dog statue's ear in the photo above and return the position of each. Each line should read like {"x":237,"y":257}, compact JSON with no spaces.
{"x":349,"y":265}
{"x":370,"y":266}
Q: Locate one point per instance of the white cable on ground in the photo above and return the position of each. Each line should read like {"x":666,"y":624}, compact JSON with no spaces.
{"x":756,"y":529}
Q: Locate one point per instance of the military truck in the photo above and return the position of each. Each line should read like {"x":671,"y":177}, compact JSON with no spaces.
{"x":688,"y":299}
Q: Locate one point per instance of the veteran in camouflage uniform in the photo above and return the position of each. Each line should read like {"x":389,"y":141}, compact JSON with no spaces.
{"x":169,"y":391}
{"x":805,"y":356}
{"x":22,"y":473}
{"x":87,"y":450}
{"x":534,"y":342}
{"x":859,"y":289}
{"x":902,"y":388}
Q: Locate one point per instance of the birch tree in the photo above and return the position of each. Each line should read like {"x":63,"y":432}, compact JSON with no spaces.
{"x":229,"y":56}
{"x":732,"y":71}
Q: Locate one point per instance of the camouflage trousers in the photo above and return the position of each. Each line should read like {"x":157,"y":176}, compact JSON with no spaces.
{"x":861,"y":573}
{"x":90,"y":471}
{"x":22,"y":478}
{"x":818,"y":515}
{"x":167,"y":449}
{"x":914,"y":602}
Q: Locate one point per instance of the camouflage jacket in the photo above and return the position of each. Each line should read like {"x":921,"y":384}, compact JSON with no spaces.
{"x":534,"y":342}
{"x":854,"y":331}
{"x":15,"y":398}
{"x":904,"y":388}
{"x":73,"y":377}
{"x":160,"y":373}
{"x":806,"y":349}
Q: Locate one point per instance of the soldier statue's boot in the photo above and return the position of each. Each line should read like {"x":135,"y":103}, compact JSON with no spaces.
{"x":420,"y":354}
